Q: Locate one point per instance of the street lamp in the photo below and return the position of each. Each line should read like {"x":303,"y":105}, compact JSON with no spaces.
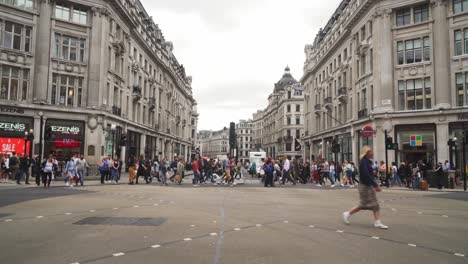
{"x":113,"y":129}
{"x":26,"y":134}
{"x":41,"y":135}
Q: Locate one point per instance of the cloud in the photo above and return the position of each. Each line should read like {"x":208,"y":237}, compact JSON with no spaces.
{"x":237,"y":50}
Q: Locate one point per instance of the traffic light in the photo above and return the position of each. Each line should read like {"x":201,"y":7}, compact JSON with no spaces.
{"x":389,"y":143}
{"x":123,"y":140}
{"x":395,"y":146}
{"x":232,"y":135}
{"x":336,"y":147}
{"x":48,"y":133}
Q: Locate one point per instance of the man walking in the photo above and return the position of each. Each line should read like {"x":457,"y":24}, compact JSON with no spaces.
{"x":286,"y":170}
{"x":25,"y":163}
{"x":196,"y":172}
{"x":14,"y":167}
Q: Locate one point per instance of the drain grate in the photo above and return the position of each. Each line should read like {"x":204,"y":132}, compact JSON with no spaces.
{"x":123,"y":221}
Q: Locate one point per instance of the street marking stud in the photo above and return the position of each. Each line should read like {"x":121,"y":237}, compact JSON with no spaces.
{"x":156,"y":246}
{"x":393,"y":209}
{"x":39,"y":216}
{"x":459,"y":254}
{"x":213,"y":234}
{"x":237,"y":229}
{"x":136,"y":206}
{"x":187,"y":239}
{"x":214,"y":221}
{"x":375,"y":237}
{"x":258,"y":225}
{"x":75,"y":263}
{"x":339,"y":231}
{"x":420,"y":212}
{"x":445,"y":216}
{"x":412,"y":245}
{"x":118,"y":254}
{"x":68,"y":213}
{"x":311,"y":226}
{"x":285,"y":222}
{"x":192,"y":225}
{"x":92,"y":211}
{"x":8,"y":220}
{"x":115,"y":208}
{"x":155,"y":204}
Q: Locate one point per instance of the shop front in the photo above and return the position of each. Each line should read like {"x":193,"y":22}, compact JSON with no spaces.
{"x":416,"y":143}
{"x":346,"y":148}
{"x":457,"y":132}
{"x":151,"y":148}
{"x":13,"y":131}
{"x":63,"y":138}
{"x":133,"y":144}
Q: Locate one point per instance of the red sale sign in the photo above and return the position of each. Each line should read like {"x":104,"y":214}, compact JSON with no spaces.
{"x":66,"y":143}
{"x":8,"y":145}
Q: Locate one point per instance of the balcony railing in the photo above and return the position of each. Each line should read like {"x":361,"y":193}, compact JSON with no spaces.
{"x":318,"y":107}
{"x":152,"y":103}
{"x":116,"y":110}
{"x":342,"y":94}
{"x":168,"y":131}
{"x":363,"y":113}
{"x":136,"y":92}
{"x":327,"y":101}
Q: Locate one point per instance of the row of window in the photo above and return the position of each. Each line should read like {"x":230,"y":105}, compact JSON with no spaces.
{"x":67,"y":90}
{"x":288,"y":108}
{"x":69,"y":48}
{"x":413,"y":51}
{"x":15,"y":36}
{"x":288,"y":120}
{"x":417,"y":14}
{"x":415,"y":94}
{"x":14,"y":83}
{"x":72,"y":13}
{"x":461,"y":82}
{"x":26,"y":4}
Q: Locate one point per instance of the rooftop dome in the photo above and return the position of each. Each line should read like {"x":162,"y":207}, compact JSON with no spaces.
{"x":286,"y":80}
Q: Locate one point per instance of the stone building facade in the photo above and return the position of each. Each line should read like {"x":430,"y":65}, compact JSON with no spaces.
{"x":92,"y":74}
{"x":213,"y":143}
{"x":244,"y":130}
{"x":278,"y":129}
{"x":400,"y":66}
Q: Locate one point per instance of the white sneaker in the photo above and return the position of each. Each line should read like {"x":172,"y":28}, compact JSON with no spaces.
{"x":378,"y":224}
{"x":332,"y":186}
{"x":67,"y":184}
{"x":318,"y":185}
{"x":346,"y":216}
{"x":351,"y":186}
{"x":196,"y":185}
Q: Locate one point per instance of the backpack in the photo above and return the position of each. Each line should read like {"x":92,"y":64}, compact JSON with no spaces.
{"x":13,"y":161}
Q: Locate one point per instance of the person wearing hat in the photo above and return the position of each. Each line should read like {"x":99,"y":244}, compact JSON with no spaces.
{"x":367,"y":189}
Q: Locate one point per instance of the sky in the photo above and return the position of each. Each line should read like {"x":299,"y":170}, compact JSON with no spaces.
{"x":236,"y":50}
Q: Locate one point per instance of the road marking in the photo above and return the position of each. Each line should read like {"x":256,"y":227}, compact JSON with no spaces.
{"x":118,"y":254}
{"x":285,"y":222}
{"x":192,"y":225}
{"x":311,"y":226}
{"x":39,"y":216}
{"x":445,"y":216}
{"x":156,"y":246}
{"x":8,"y":220}
{"x":393,"y":209}
{"x":459,"y":254}
{"x":155,"y":204}
{"x":339,"y":231}
{"x":214,"y":221}
{"x":115,"y":208}
{"x":412,"y":245}
{"x":68,"y":213}
{"x":213,"y":234}
{"x":375,"y":237}
{"x":258,"y":225}
{"x":75,"y":263}
{"x":136,"y":206}
{"x":237,"y":229}
{"x":92,"y":211}
{"x":187,"y":239}
{"x":420,"y":212}
{"x":172,"y":202}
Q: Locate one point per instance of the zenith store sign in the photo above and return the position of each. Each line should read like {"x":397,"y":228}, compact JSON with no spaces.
{"x":65,"y":130}
{"x":12,"y":127}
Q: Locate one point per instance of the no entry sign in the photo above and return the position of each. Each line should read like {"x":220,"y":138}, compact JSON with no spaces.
{"x":367,"y":132}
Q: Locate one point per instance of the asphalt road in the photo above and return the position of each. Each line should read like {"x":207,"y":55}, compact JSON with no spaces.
{"x":218,"y":224}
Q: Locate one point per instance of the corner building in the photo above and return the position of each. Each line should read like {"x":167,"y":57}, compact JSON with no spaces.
{"x":397,"y":65}
{"x":93,"y":71}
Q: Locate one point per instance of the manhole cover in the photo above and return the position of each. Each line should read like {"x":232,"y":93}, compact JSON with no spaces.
{"x":132,"y":221}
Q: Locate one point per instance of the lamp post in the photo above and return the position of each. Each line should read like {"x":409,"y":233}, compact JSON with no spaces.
{"x":387,"y":127}
{"x":26,"y":134}
{"x":30,"y":137}
{"x":41,"y":135}
{"x":113,"y":129}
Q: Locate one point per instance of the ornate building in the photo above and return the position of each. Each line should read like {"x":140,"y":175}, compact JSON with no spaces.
{"x":278,"y":129}
{"x":395,"y":65}
{"x":213,"y":143}
{"x":244,"y":131}
{"x":97,"y":77}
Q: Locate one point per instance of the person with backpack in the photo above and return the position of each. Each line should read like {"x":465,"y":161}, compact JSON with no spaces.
{"x":13,"y":165}
{"x":269,"y":174}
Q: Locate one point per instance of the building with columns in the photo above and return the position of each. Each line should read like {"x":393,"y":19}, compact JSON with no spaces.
{"x":213,"y":143}
{"x":97,"y":77}
{"x":400,"y":66}
{"x":244,"y":131}
{"x":278,"y":129}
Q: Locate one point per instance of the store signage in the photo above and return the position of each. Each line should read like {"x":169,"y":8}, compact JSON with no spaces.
{"x":66,"y":143}
{"x":65,"y":130}
{"x":367,"y":132}
{"x":415,"y":140}
{"x":14,"y":127}
{"x":8,"y":145}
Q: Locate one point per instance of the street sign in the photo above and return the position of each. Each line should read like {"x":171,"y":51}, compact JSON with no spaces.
{"x":367,"y":132}
{"x":415,"y":140}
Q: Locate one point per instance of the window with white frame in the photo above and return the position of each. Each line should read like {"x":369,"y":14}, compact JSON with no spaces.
{"x":461,"y":41}
{"x":67,"y":90}
{"x":14,"y":83}
{"x":410,"y":15}
{"x":460,"y":6}
{"x":461,"y":82}
{"x":26,"y":4}
{"x":15,"y":36}
{"x":403,"y":17}
{"x":69,"y":48}
{"x":414,"y":94}
{"x":72,"y":13}
{"x":421,"y":13}
{"x":413,"y":51}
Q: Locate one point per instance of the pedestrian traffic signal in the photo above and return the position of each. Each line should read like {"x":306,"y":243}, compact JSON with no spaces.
{"x":123,"y":140}
{"x":389,"y":143}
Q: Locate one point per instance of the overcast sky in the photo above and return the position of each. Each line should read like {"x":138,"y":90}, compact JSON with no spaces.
{"x":237,"y":49}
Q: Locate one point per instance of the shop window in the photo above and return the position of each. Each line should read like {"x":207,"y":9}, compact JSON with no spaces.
{"x":413,"y":51}
{"x":26,"y":4}
{"x":414,"y":94}
{"x":14,"y":83}
{"x":69,"y":48}
{"x":15,"y":36}
{"x":460,"y":6}
{"x":72,"y":13}
{"x":65,"y":89}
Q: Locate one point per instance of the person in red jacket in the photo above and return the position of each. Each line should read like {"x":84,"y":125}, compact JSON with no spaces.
{"x":196,"y":172}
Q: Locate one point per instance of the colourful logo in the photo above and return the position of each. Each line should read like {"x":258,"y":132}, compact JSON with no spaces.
{"x":416,"y":141}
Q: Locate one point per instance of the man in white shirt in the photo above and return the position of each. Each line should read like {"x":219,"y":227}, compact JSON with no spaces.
{"x":286,"y":169}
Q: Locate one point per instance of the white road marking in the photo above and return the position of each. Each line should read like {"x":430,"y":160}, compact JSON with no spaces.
{"x":420,"y":212}
{"x":118,"y":254}
{"x":459,"y":254}
{"x":258,"y":225}
{"x":115,"y":208}
{"x":155,"y":204}
{"x":375,"y":237}
{"x":393,"y":209}
{"x":75,"y":263}
{"x":285,"y":222}
{"x":213,"y":234}
{"x":339,"y":231}
{"x":311,"y":226}
{"x":156,"y":246}
{"x":412,"y":245}
{"x":136,"y":206}
{"x":92,"y":211}
{"x":445,"y":216}
{"x":237,"y":229}
{"x":214,"y":221}
{"x":172,"y":202}
{"x":192,"y":225}
{"x":8,"y":220}
{"x":187,"y":239}
{"x":68,"y":213}
{"x":39,"y":216}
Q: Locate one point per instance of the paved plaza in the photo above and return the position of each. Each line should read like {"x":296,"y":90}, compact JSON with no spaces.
{"x":217,"y":224}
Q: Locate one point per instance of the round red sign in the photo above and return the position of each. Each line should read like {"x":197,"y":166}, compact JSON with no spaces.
{"x":367,"y":131}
